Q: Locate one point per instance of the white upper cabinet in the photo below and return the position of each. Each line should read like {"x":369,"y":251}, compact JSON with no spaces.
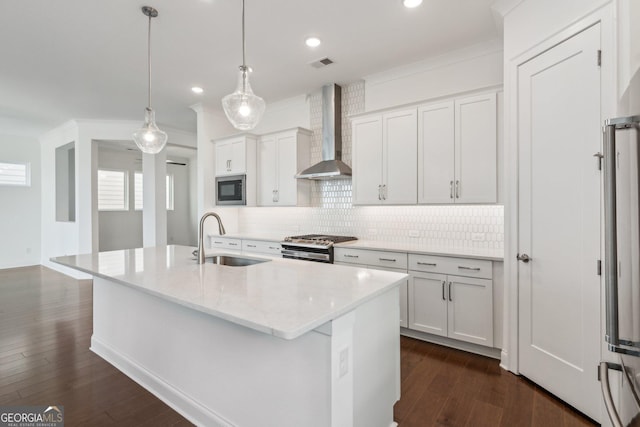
{"x":281,"y":156}
{"x":384,"y":163}
{"x":457,"y":151}
{"x":436,"y":174}
{"x":367,"y":160}
{"x":235,"y":155}
{"x":476,"y":149}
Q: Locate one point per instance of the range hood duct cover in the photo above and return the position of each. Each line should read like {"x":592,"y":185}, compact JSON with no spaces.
{"x":331,"y":166}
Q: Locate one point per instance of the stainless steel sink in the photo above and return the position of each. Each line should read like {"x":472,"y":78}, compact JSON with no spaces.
{"x":233,"y":261}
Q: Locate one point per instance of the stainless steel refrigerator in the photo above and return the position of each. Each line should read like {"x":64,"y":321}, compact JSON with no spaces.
{"x":622,"y":270}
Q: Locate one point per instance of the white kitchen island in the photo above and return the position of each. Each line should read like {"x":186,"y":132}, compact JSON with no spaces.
{"x":280,"y":343}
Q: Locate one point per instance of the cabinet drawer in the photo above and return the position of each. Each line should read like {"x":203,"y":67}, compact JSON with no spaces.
{"x":261,"y":246}
{"x":449,"y":265}
{"x":226,"y":243}
{"x":371,"y":258}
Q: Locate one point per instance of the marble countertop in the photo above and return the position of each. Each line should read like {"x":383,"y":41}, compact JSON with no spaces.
{"x":475,"y":253}
{"x":282,"y":297}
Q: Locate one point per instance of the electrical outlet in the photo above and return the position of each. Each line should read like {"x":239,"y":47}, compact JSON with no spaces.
{"x":344,"y":362}
{"x":414,"y":233}
{"x":478,"y":237}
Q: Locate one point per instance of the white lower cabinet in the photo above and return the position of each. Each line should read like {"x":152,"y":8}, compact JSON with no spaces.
{"x":379,"y":260}
{"x":226,"y":243}
{"x":450,"y":305}
{"x":262,"y":246}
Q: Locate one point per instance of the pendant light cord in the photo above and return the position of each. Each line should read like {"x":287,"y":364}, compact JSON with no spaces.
{"x":244,"y":63}
{"x":149,"y":64}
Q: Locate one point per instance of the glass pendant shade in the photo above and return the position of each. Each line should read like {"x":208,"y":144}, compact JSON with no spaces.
{"x":243,"y":109}
{"x":149,"y":138}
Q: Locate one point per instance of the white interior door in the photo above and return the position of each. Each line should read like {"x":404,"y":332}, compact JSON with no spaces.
{"x":559,"y":220}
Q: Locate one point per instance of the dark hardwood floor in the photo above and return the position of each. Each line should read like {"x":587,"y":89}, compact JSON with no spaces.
{"x":45,"y":331}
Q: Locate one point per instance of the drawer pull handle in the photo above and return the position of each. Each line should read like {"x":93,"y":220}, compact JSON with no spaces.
{"x":233,"y":244}
{"x":462,"y":267}
{"x":387,"y":259}
{"x":450,"y":297}
{"x":274,"y":248}
{"x":351,"y":256}
{"x":430,"y":264}
{"x":217,"y":242}
{"x":251,"y":246}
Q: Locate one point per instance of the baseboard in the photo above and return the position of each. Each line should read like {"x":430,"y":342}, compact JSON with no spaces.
{"x":491,"y":352}
{"x":180,"y":402}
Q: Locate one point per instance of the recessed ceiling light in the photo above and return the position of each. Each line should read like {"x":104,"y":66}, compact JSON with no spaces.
{"x":411,"y":3}
{"x":312,"y":41}
{"x":197,"y":89}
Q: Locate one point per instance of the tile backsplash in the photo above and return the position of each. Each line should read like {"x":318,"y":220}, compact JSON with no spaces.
{"x":331,"y":210}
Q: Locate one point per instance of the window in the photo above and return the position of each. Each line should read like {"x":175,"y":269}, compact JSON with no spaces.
{"x":112,"y":190}
{"x":15,"y":174}
{"x":138,"y":189}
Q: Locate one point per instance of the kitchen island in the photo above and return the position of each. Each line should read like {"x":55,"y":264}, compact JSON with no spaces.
{"x":278,"y":343}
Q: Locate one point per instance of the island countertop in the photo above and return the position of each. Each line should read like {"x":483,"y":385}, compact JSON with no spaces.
{"x":282,"y":297}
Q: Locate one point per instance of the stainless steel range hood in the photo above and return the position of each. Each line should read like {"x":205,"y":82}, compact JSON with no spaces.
{"x":331,"y":166}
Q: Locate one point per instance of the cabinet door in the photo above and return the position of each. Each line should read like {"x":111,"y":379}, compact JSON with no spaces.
{"x":400,"y":168}
{"x":476,"y":149}
{"x":367,"y":160}
{"x":238,"y":156}
{"x":224,"y":153}
{"x":470,"y":310}
{"x":436,"y":153}
{"x":286,"y":189}
{"x":428,"y":303}
{"x":267,"y":171}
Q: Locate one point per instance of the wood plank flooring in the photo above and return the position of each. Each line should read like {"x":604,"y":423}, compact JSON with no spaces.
{"x":45,"y":331}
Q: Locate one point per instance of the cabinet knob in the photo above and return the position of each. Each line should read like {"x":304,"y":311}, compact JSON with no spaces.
{"x":523,"y":257}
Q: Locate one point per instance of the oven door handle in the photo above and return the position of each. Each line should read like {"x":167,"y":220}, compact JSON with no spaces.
{"x":305,"y":255}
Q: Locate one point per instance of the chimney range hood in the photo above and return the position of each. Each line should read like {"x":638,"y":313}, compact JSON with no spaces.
{"x":331,"y":166}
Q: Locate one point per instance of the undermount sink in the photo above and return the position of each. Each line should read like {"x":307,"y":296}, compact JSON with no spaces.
{"x":233,"y":261}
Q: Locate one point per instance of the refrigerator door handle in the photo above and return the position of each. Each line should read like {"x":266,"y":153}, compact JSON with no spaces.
{"x":603,"y":373}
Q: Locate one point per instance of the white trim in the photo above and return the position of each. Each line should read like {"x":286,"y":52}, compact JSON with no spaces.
{"x":180,"y":402}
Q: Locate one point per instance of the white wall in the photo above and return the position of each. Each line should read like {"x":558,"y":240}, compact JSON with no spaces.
{"x":20,"y":212}
{"x":123,"y":229}
{"x":465,"y":70}
{"x":81,"y":236}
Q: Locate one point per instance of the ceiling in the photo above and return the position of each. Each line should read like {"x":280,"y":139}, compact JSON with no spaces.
{"x":86,"y":59}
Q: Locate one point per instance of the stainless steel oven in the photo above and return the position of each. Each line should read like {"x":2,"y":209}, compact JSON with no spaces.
{"x":312,"y":247}
{"x":231,"y":190}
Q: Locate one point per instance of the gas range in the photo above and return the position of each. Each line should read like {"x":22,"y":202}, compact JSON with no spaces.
{"x":312,"y":247}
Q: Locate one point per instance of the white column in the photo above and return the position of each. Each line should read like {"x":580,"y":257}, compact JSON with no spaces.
{"x":154,"y":212}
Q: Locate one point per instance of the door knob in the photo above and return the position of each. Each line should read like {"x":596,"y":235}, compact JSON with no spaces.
{"x":523,"y":257}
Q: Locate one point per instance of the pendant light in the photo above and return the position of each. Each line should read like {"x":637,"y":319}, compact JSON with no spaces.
{"x":149,"y":138}
{"x":243,"y":108}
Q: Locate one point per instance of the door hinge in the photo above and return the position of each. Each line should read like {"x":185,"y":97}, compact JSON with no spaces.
{"x":599,"y":57}
{"x":599,"y":268}
{"x":599,"y":157}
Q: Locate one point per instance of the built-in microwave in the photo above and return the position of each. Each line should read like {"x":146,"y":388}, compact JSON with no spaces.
{"x":231,"y":190}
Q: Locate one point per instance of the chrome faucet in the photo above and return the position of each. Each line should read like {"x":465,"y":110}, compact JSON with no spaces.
{"x":201,"y":232}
